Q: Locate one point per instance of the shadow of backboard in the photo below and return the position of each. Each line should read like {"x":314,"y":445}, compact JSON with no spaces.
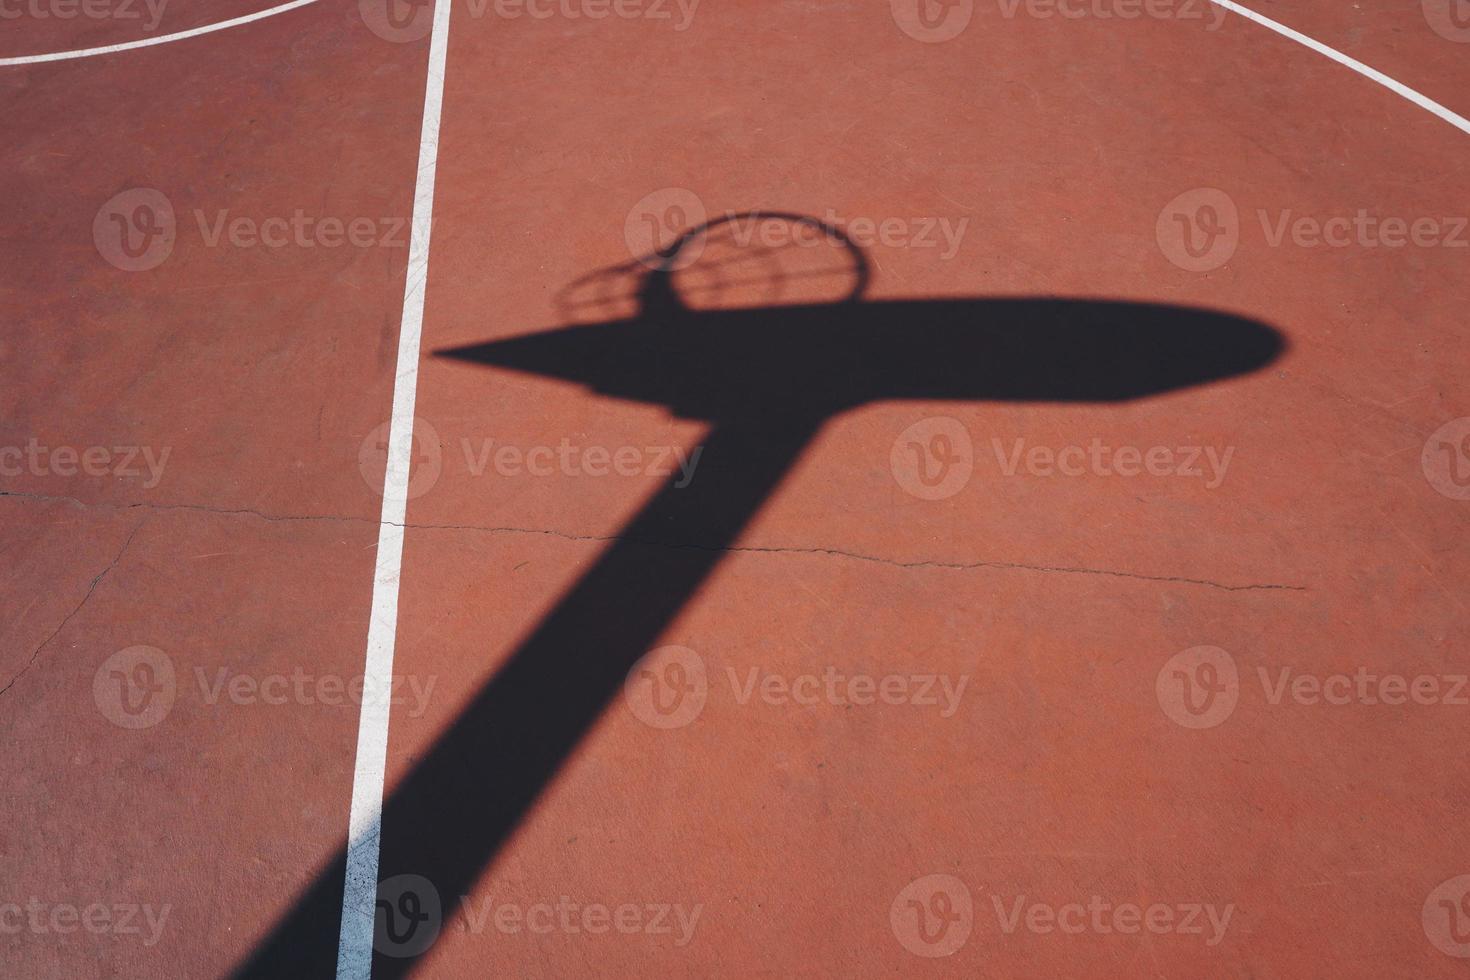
{"x":765,"y":378}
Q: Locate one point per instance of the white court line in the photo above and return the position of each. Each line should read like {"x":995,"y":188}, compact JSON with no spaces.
{"x":1398,"y":88}
{"x":36,"y":59}
{"x":364,"y":828}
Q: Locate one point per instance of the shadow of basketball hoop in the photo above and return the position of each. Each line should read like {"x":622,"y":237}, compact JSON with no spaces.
{"x":765,"y":378}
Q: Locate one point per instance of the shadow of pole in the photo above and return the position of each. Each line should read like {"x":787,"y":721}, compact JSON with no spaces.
{"x":766,"y":380}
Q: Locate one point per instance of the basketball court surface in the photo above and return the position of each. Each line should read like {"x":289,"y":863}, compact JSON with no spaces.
{"x":689,"y":488}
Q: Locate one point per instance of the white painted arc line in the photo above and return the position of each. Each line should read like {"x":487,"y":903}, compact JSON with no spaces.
{"x":1398,"y":88}
{"x":148,"y":42}
{"x":359,"y":896}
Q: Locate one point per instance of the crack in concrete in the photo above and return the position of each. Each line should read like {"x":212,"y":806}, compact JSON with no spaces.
{"x":604,"y":538}
{"x":200,"y":508}
{"x":875,"y":559}
{"x":91,"y":588}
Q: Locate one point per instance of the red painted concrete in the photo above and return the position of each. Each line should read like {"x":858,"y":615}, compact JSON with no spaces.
{"x":251,"y":376}
{"x":793,"y":829}
{"x":1421,"y":44}
{"x":220,"y":803}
